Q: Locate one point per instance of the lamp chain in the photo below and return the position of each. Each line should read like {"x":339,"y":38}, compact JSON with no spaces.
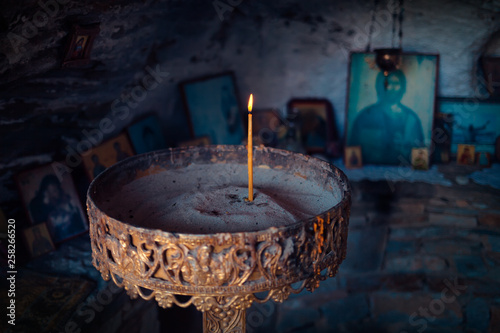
{"x":401,"y":12}
{"x":374,"y":11}
{"x":394,"y":19}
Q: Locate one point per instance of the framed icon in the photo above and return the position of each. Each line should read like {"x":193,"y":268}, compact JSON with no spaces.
{"x":466,"y":154}
{"x":474,"y":122}
{"x":80,"y":43}
{"x":353,"y":157}
{"x":97,"y":159}
{"x":389,"y":115}
{"x":317,"y":123}
{"x":38,"y":240}
{"x":50,"y":197}
{"x":213,"y":108}
{"x":420,"y":158}
{"x":146,"y":135}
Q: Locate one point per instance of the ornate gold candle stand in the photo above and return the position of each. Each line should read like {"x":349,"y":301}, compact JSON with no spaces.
{"x":221,"y":272}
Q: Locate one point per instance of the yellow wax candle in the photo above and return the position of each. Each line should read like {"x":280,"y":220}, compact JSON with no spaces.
{"x":250,"y":150}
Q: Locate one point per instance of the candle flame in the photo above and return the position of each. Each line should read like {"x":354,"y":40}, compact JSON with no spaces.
{"x":250,"y":103}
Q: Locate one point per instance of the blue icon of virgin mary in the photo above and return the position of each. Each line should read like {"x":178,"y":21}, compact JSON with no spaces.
{"x":387,"y":130}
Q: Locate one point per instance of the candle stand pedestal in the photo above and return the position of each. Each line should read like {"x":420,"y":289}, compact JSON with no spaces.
{"x":221,"y":273}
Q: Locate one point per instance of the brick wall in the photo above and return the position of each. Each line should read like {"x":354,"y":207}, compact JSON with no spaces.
{"x":420,"y":257}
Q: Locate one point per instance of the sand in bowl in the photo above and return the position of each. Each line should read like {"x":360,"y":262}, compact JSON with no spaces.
{"x":210,"y":198}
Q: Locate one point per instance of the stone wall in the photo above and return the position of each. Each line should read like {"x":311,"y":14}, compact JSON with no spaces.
{"x":278,"y":50}
{"x":406,"y":245}
{"x":420,"y":258}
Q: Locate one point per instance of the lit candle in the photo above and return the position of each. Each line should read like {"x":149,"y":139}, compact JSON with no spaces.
{"x":250,"y":150}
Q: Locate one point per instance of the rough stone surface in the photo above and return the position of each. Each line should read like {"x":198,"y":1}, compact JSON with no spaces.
{"x":494,"y":243}
{"x":365,"y":249}
{"x":471,"y":266}
{"x":396,"y":278}
{"x":278,"y":50}
{"x":396,"y":248}
{"x":404,"y":305}
{"x":407,"y":241}
{"x":452,"y":246}
{"x":495,"y":319}
{"x":489,"y":220}
{"x":415,"y":264}
{"x":452,"y":220}
{"x":344,"y":311}
{"x":297,"y":318}
{"x":477,"y":315}
{"x":431,"y":275}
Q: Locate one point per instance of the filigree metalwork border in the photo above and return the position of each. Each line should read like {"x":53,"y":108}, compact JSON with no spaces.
{"x":221,"y":264}
{"x":222,"y":271}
